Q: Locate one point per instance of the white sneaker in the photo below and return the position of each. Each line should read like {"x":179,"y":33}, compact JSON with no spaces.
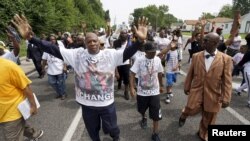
{"x":39,"y":136}
{"x":167,"y":100}
{"x":171,"y":95}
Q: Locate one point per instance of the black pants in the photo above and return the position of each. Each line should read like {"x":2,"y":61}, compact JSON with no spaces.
{"x":94,"y":117}
{"x":124,"y":74}
{"x":38,"y":65}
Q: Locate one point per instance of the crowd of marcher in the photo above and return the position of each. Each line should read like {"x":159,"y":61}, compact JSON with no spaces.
{"x":135,"y":57}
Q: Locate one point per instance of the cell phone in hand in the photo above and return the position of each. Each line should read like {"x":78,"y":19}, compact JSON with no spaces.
{"x":14,"y":33}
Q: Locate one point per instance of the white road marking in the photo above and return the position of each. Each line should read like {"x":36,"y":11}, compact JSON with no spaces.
{"x":72,"y":128}
{"x":229,"y":109}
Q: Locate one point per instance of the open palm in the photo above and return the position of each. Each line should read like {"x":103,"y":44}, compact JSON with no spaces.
{"x":141,"y":31}
{"x":22,"y":25}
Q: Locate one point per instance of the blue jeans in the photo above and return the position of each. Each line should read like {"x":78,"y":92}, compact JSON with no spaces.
{"x":58,"y":83}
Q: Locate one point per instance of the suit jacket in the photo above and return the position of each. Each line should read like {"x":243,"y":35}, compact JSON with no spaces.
{"x":210,"y":88}
{"x":34,"y":52}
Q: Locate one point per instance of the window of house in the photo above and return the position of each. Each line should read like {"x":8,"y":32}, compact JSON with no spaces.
{"x":226,"y":26}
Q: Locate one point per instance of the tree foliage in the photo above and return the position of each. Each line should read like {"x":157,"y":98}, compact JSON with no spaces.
{"x":47,"y":16}
{"x":242,"y":5}
{"x":226,"y":11}
{"x":207,"y":15}
{"x":158,"y":16}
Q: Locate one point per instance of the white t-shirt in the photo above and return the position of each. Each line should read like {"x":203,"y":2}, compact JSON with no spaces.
{"x":236,"y":43}
{"x":123,"y":48}
{"x":180,"y":43}
{"x":171,"y":60}
{"x":10,"y":56}
{"x":137,"y":55}
{"x":94,"y":74}
{"x":238,"y":57}
{"x":162,"y":43}
{"x":106,"y":40}
{"x":147,"y":71}
{"x":55,"y":65}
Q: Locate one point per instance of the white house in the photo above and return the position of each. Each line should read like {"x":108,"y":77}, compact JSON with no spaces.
{"x":245,"y":23}
{"x":189,"y":25}
{"x":176,"y":25}
{"x":224,"y":23}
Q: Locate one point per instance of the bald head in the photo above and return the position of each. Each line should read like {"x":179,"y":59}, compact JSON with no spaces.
{"x":213,"y":36}
{"x":91,"y":35}
{"x":211,"y":41}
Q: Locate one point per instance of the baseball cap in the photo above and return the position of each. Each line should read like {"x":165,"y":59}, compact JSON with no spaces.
{"x":149,"y":47}
{"x":219,"y":28}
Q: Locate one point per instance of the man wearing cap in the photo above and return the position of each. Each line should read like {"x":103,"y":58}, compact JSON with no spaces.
{"x":123,"y":70}
{"x":10,"y":55}
{"x":220,"y":46}
{"x":149,"y":70}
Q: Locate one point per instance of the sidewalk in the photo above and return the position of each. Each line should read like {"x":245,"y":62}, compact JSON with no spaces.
{"x":28,"y":67}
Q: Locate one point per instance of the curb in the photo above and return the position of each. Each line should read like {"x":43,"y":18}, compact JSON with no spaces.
{"x":29,"y":72}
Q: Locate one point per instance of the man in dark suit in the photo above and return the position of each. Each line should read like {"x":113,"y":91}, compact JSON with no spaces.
{"x":35,"y":53}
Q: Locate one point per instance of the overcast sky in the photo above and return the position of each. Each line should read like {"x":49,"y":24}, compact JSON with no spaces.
{"x":182,"y":9}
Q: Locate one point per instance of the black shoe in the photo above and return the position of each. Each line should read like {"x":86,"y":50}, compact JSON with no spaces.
{"x":116,"y":138}
{"x":237,"y":93}
{"x":143,"y":123}
{"x":182,"y":121}
{"x":126,"y":95}
{"x":63,"y":97}
{"x":155,"y":137}
{"x":58,"y":96}
{"x":119,"y":86}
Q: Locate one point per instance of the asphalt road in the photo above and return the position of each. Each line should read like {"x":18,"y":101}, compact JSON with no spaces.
{"x":61,"y":119}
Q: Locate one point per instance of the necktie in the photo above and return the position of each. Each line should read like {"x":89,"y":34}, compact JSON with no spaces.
{"x":209,"y":55}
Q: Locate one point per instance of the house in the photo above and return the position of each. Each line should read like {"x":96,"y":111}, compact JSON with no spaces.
{"x":225,"y":23}
{"x":189,"y":25}
{"x":245,"y":23}
{"x":176,"y":25}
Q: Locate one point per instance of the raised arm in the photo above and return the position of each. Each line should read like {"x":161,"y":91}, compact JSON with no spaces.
{"x":25,"y":30}
{"x":234,"y":29}
{"x":141,"y":34}
{"x":16,"y":45}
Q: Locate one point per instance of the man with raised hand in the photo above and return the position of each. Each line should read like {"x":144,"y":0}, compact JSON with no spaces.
{"x":94,"y":75}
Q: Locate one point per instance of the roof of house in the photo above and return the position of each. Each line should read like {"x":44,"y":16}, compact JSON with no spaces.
{"x":221,"y":20}
{"x":176,"y":24}
{"x":191,"y":22}
{"x":245,"y":16}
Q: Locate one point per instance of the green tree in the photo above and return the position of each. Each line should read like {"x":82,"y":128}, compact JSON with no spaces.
{"x":242,"y":5}
{"x":226,"y":11}
{"x":89,"y":15}
{"x":158,"y":16}
{"x":7,"y":10}
{"x":207,"y":15}
{"x":163,"y":8}
{"x":138,"y":12}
